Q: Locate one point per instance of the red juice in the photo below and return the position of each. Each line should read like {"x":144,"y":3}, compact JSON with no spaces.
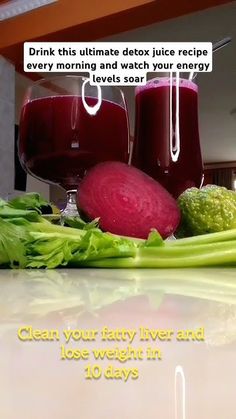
{"x":59,"y":140}
{"x":167,"y":145}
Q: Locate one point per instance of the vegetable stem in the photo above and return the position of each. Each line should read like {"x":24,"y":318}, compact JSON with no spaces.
{"x":219,"y":254}
{"x":204,"y":239}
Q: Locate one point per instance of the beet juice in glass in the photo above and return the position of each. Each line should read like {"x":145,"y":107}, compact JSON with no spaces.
{"x":64,"y":132}
{"x":167,"y":145}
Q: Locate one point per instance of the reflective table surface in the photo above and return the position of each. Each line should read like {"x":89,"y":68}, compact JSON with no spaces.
{"x":191,"y":376}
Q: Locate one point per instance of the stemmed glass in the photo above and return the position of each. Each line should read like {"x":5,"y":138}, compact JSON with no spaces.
{"x":67,"y":126}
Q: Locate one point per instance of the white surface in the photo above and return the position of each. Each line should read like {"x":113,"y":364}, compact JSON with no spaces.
{"x":15,"y":8}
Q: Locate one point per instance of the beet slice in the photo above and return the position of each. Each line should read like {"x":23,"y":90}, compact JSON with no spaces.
{"x":127,"y":201}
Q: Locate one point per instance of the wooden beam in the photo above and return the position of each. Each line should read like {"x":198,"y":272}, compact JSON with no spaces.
{"x":220,"y":165}
{"x":61,"y":16}
{"x":88,"y":21}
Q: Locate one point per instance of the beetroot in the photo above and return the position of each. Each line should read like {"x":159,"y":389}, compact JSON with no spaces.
{"x":127,"y":201}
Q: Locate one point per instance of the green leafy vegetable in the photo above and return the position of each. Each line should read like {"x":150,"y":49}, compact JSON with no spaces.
{"x":62,"y":248}
{"x":77,"y":222}
{"x":28,"y":240}
{"x":7,"y":211}
{"x":31,"y":201}
{"x":215,"y":254}
{"x":154,"y":239}
{"x":12,"y":250}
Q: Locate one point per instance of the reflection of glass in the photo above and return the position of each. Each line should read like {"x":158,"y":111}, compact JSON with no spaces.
{"x":180,"y":393}
{"x":167,"y":143}
{"x":67,"y":126}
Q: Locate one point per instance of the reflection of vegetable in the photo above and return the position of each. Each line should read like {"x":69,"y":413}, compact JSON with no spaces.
{"x":207,"y":210}
{"x":66,"y":295}
{"x":127,"y":201}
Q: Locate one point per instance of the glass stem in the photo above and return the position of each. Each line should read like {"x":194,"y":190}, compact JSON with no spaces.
{"x":71,"y":206}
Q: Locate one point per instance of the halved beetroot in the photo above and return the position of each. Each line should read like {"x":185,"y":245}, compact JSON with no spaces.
{"x":127,"y":201}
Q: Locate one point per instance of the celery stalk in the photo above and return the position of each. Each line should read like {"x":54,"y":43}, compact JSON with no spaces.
{"x":213,"y":254}
{"x":204,"y":239}
{"x":30,"y":241}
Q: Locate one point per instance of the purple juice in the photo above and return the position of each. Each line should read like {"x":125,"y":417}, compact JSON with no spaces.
{"x":59,"y":140}
{"x":167,"y":145}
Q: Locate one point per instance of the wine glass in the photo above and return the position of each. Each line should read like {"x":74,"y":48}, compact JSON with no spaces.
{"x":167,"y":144}
{"x":67,"y":126}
